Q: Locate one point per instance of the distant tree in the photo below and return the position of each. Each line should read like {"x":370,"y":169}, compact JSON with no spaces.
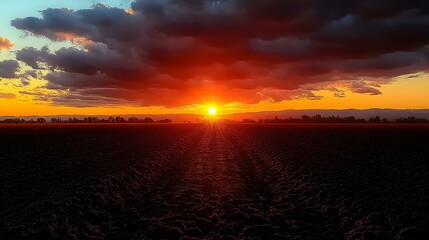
{"x":411,"y":120}
{"x":41,"y":120}
{"x":350,"y":119}
{"x":119,"y":120}
{"x":133,"y":120}
{"x":375,"y":120}
{"x":55,"y":120}
{"x":164,"y":121}
{"x":305,"y":118}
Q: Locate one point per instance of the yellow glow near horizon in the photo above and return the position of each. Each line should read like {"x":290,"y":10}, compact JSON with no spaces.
{"x":212,"y":111}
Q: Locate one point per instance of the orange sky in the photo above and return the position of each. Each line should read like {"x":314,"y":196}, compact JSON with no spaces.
{"x":402,"y":94}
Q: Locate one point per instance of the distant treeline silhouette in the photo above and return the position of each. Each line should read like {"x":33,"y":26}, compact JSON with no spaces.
{"x":304,"y":119}
{"x":336,"y":119}
{"x":88,"y":120}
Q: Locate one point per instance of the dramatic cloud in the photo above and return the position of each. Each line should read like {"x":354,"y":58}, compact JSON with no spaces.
{"x":5,"y":43}
{"x":244,"y":47}
{"x":9,"y":69}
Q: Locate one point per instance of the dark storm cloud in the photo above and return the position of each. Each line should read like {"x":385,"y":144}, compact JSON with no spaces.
{"x":9,"y":69}
{"x":33,"y":57}
{"x":29,"y":74}
{"x":241,"y":44}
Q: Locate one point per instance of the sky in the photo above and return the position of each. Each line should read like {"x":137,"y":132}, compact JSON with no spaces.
{"x":184,"y":56}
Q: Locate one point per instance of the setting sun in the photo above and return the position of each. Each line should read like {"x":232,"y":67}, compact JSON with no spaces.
{"x":212,"y":111}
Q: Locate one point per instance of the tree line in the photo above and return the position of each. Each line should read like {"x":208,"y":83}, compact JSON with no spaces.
{"x":337,"y":119}
{"x":304,"y":119}
{"x":88,"y":120}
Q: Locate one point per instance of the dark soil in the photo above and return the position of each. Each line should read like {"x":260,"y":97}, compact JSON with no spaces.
{"x":238,"y":181}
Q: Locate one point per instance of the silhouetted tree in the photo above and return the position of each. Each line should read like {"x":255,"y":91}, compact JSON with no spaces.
{"x":305,"y":118}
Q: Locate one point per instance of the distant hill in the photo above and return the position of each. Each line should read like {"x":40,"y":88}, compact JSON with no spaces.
{"x":390,"y":114}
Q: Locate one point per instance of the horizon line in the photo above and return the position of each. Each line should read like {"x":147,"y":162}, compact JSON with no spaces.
{"x":246,"y":112}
